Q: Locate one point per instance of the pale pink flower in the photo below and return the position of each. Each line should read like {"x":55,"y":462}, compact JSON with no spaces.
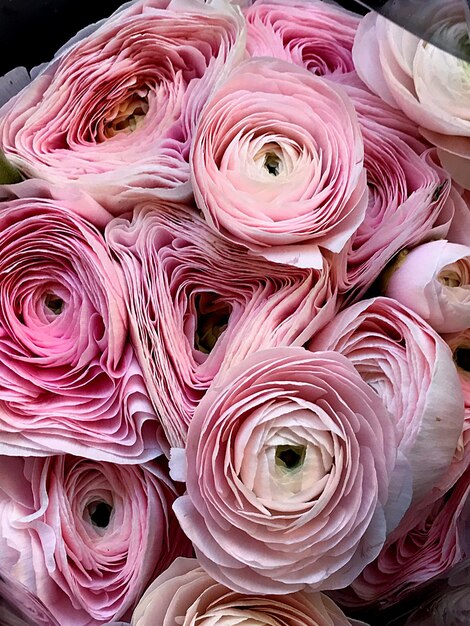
{"x":430,"y":86}
{"x":199,"y":303}
{"x":87,"y":537}
{"x":313,"y":34}
{"x":431,"y":538}
{"x":434,"y":281}
{"x":186,"y":594}
{"x":410,"y":196}
{"x":411,"y":368}
{"x":291,"y":472}
{"x":115,"y":111}
{"x":277,"y":163}
{"x":69,"y":377}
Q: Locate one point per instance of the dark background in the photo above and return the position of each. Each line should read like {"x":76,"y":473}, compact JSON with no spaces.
{"x":31,"y":31}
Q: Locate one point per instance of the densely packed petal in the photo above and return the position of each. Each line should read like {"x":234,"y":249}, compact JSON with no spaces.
{"x":88,"y":535}
{"x":313,"y":34}
{"x":114,"y":113}
{"x":410,"y":197}
{"x":187,"y":595}
{"x":69,"y":377}
{"x":289,"y":462}
{"x":429,"y":85}
{"x":199,"y":304}
{"x":411,"y":368}
{"x":277,"y":163}
{"x":431,"y":538}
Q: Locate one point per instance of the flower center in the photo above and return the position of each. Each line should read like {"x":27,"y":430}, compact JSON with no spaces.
{"x":212,"y":320}
{"x":449,"y":278}
{"x":126,"y":116}
{"x":462,"y":358}
{"x":272,"y":164}
{"x":290,"y":457}
{"x":100,"y":513}
{"x":54,"y":303}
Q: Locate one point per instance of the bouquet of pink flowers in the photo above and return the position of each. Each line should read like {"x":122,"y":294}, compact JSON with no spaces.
{"x":235,"y":322}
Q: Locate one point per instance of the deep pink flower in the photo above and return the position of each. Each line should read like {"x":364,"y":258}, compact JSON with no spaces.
{"x":186,"y":594}
{"x":199,"y":303}
{"x":289,"y":462}
{"x":69,"y":378}
{"x":277,"y":163}
{"x":115,"y":111}
{"x":411,"y":368}
{"x":310,"y":33}
{"x":87,"y":537}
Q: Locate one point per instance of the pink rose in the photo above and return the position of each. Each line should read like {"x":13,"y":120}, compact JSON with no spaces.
{"x":69,"y":378}
{"x":429,"y":85}
{"x":115,"y":111}
{"x":409,"y":195}
{"x":434,"y":281}
{"x":87,"y":537}
{"x":277,"y":163}
{"x":310,"y":33}
{"x":186,"y":594}
{"x":430,"y":539}
{"x":199,"y":303}
{"x":411,"y":368}
{"x":289,"y":462}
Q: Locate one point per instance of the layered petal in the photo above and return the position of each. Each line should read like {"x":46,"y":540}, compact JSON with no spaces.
{"x":410,"y":367}
{"x":69,"y":377}
{"x":313,"y":34}
{"x":277,"y":163}
{"x":200,"y":304}
{"x":187,"y":595}
{"x":431,"y":86}
{"x":410,"y":196}
{"x":289,"y":461}
{"x":431,"y":538}
{"x":87,"y":537}
{"x":115,"y":112}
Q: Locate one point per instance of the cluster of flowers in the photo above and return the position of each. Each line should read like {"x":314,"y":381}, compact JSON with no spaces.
{"x":234,"y":319}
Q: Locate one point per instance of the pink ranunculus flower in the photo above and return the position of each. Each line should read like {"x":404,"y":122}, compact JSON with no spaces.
{"x":87,"y":537}
{"x":410,"y":196}
{"x":185,"y":594}
{"x":291,"y":474}
{"x":115,"y":111}
{"x":277,"y":163}
{"x":310,"y":33}
{"x":411,"y":368}
{"x":429,"y":85}
{"x":434,"y":281}
{"x":199,"y":303}
{"x":69,"y":377}
{"x":429,"y":540}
